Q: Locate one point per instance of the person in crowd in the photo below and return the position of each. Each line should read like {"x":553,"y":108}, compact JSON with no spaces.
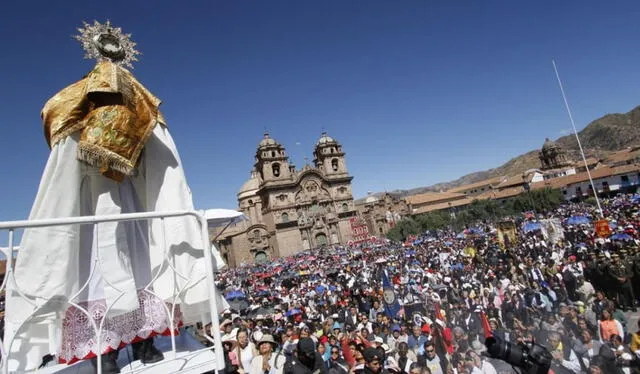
{"x":267,"y":361}
{"x":245,"y":350}
{"x":454,"y":290}
{"x":437,"y":364}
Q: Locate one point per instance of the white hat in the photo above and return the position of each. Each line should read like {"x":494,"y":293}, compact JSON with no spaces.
{"x":378,"y":340}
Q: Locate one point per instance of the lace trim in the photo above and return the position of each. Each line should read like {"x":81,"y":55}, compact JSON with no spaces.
{"x":79,"y":339}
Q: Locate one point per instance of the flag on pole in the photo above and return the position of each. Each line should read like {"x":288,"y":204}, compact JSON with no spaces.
{"x":391,"y":304}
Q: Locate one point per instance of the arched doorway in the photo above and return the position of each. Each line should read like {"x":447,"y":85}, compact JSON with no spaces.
{"x":261,"y":258}
{"x":321,"y":240}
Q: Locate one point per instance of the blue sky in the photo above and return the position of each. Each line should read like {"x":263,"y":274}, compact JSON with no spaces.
{"x":418,"y":92}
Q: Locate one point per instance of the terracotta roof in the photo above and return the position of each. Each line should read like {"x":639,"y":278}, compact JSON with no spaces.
{"x":441,"y":206}
{"x":602,"y":172}
{"x":623,"y":155}
{"x":501,"y":194}
{"x":590,"y":161}
{"x":432,"y":197}
{"x":486,"y":182}
{"x":514,"y":180}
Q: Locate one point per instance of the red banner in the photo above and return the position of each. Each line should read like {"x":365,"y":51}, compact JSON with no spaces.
{"x":359,"y":229}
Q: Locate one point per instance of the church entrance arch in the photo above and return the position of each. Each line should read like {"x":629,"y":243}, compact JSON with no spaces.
{"x":261,"y":258}
{"x":321,"y":239}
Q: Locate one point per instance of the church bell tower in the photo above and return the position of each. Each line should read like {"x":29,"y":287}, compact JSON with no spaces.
{"x":272,"y":161}
{"x":329,"y":157}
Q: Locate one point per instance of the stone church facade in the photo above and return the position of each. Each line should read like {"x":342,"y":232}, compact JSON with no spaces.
{"x":382,"y":213}
{"x":290,"y":210}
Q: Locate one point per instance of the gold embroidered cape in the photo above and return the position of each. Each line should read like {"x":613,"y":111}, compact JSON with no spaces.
{"x":115,"y":114}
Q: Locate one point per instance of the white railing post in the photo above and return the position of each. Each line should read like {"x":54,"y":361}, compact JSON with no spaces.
{"x":210,"y":265}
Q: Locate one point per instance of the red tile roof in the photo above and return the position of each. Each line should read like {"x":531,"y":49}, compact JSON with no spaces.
{"x":470,"y":186}
{"x":432,"y":197}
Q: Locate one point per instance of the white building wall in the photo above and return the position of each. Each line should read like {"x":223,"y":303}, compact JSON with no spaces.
{"x":537,"y":177}
{"x":614,"y":182}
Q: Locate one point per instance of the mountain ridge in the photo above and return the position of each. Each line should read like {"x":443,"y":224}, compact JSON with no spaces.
{"x":601,"y":137}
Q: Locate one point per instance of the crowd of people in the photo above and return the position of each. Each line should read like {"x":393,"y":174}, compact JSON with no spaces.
{"x":428,"y":306}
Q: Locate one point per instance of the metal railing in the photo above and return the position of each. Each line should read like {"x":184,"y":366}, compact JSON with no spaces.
{"x":9,"y":285}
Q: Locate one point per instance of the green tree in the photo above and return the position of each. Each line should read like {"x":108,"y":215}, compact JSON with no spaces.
{"x":403,"y":229}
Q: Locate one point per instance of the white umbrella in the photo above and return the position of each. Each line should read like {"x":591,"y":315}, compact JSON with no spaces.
{"x":223,"y":217}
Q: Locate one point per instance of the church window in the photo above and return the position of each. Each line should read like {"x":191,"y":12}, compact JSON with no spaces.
{"x":276,"y":170}
{"x":250,"y":202}
{"x":273,"y":154}
{"x":334,"y":164}
{"x":345,"y":207}
{"x":256,"y":234}
{"x":285,"y":217}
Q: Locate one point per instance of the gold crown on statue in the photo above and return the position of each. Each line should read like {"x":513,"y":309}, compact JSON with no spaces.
{"x":106,"y":42}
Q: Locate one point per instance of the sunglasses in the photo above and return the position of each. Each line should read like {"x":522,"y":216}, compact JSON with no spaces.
{"x":334,"y":352}
{"x":430,"y":350}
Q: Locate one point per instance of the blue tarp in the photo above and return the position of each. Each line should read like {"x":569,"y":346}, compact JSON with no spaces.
{"x":235,"y":295}
{"x":621,"y":236}
{"x":293,"y":312}
{"x":532,"y":226}
{"x":578,"y":220}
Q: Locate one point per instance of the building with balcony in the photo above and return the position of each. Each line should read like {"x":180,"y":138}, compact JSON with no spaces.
{"x":289,"y":209}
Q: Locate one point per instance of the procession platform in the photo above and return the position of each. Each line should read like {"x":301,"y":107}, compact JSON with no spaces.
{"x":191,"y":357}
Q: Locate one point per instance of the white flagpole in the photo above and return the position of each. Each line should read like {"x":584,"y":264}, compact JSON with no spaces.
{"x":575,"y":132}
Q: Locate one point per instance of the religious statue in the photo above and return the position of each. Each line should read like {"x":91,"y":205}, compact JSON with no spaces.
{"x":111,"y":153}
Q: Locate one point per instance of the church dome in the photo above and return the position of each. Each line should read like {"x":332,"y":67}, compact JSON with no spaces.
{"x":370,"y":199}
{"x":549,"y":144}
{"x":267,"y":141}
{"x":251,"y":186}
{"x":325,"y":139}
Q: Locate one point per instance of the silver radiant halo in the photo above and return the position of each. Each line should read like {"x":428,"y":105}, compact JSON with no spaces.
{"x":105,"y":42}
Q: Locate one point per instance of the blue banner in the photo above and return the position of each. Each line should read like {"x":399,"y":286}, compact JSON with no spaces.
{"x":391,"y":304}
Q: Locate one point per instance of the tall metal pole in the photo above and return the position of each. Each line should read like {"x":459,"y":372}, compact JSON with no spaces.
{"x":575,"y":132}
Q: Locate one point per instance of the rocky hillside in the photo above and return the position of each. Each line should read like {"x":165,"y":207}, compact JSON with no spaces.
{"x":601,"y":137}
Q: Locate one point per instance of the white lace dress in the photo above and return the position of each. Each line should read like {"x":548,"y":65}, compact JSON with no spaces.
{"x":118,"y":261}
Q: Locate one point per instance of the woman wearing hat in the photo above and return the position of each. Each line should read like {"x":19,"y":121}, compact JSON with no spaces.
{"x":267,"y":362}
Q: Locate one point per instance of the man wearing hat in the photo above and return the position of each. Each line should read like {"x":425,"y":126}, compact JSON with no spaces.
{"x":268,"y":361}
